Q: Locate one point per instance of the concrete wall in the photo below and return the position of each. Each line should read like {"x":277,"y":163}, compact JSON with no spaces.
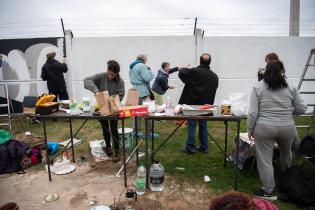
{"x":234,"y":59}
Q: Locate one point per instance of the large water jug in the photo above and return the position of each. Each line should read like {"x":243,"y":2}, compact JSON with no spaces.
{"x":156,"y":176}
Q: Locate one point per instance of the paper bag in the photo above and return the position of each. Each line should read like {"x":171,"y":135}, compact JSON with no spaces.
{"x":102,"y":99}
{"x":114,"y":104}
{"x":109,"y":105}
{"x":132,"y":97}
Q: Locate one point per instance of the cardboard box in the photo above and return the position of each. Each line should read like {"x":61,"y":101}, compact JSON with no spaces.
{"x":131,"y":111}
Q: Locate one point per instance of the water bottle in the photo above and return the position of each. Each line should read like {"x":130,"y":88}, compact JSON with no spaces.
{"x":140,"y":180}
{"x":156,"y":176}
{"x":131,"y":198}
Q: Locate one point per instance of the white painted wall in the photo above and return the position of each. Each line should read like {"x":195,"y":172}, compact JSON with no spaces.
{"x":235,"y":59}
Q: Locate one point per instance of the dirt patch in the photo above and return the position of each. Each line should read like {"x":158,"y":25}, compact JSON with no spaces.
{"x":78,"y":198}
{"x":93,"y":184}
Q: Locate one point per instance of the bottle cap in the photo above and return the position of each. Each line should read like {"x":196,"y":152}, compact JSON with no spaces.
{"x":130,"y":193}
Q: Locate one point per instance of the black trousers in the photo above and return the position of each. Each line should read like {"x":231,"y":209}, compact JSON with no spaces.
{"x":62,"y":94}
{"x":110,"y":125}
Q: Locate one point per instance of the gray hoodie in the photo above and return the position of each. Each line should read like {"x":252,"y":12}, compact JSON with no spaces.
{"x":274,"y":107}
{"x":99,"y":82}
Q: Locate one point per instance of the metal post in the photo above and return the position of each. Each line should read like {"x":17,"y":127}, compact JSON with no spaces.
{"x":237,"y":153}
{"x":152,"y":141}
{"x":146,"y":152}
{"x":46,"y":143}
{"x":124,"y":150}
{"x":225,"y":141}
{"x":136,"y":135}
{"x":71,"y":136}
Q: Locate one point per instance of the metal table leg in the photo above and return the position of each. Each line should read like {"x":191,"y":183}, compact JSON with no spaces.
{"x":237,"y":154}
{"x":136,"y":136}
{"x":124,"y":150}
{"x":46,"y":146}
{"x":152,"y":141}
{"x":146,"y":152}
{"x":71,"y":139}
{"x":225,"y":141}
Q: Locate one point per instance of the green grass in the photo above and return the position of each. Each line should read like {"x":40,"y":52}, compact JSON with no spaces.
{"x":196,"y":166}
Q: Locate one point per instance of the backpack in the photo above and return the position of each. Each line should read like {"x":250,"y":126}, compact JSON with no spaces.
{"x":307,"y":147}
{"x":299,"y":184}
{"x":298,"y":181}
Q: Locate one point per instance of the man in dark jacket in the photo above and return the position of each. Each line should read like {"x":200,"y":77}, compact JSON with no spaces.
{"x":52,"y":72}
{"x":200,"y":88}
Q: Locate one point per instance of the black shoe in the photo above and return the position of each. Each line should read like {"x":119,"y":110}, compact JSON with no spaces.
{"x":264,"y":195}
{"x":108,"y":151}
{"x":188,"y":151}
{"x":202,"y":150}
{"x":116,"y":157}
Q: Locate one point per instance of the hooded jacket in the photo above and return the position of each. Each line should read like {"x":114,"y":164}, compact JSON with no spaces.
{"x":140,"y":75}
{"x":160,"y":85}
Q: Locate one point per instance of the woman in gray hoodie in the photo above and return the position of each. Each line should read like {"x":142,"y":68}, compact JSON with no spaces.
{"x":273,"y":102}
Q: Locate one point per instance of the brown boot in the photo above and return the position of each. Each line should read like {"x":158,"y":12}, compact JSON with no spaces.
{"x":108,"y":151}
{"x":116,"y":157}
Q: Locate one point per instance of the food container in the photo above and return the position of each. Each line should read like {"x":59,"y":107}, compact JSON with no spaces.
{"x":226,"y":108}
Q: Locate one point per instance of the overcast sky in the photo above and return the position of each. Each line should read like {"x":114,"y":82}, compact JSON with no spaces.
{"x":33,"y":11}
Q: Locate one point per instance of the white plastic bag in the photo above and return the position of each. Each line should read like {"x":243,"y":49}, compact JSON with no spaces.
{"x":239,"y":103}
{"x":97,"y":148}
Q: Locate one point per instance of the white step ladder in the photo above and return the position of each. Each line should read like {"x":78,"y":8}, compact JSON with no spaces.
{"x":5,"y":119}
{"x":306,"y":81}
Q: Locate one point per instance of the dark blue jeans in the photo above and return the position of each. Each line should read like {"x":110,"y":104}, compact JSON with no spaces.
{"x":203,"y":135}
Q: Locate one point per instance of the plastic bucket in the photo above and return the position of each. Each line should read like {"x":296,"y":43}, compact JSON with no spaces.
{"x":128,"y":138}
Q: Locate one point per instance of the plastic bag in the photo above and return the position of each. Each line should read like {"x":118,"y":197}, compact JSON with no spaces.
{"x":97,"y":148}
{"x":239,"y":103}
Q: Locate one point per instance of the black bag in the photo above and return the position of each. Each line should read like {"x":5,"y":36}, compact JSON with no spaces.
{"x":307,"y":146}
{"x":299,"y":184}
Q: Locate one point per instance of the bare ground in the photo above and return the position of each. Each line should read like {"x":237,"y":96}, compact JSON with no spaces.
{"x":95,"y":182}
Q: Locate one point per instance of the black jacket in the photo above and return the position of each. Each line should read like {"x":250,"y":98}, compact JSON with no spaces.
{"x":200,"y":85}
{"x":52,"y":72}
{"x":11,"y":154}
{"x":160,"y":84}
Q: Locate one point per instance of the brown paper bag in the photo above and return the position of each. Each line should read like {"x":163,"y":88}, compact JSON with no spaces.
{"x":102,"y":99}
{"x":132,"y":97}
{"x":114,"y":104}
{"x":109,"y":105}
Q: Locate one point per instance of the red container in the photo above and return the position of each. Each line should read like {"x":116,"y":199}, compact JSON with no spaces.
{"x":131,"y":111}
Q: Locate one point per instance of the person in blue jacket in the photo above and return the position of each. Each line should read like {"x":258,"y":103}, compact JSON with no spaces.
{"x":160,"y":85}
{"x":140,"y":76}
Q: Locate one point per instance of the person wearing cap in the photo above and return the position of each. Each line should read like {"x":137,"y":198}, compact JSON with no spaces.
{"x":52,"y":72}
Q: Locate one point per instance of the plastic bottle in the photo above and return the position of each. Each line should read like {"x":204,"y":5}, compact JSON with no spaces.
{"x":156,"y":176}
{"x":140,"y":180}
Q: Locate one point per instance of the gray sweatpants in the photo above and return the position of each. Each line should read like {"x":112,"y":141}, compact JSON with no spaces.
{"x":265,"y":136}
